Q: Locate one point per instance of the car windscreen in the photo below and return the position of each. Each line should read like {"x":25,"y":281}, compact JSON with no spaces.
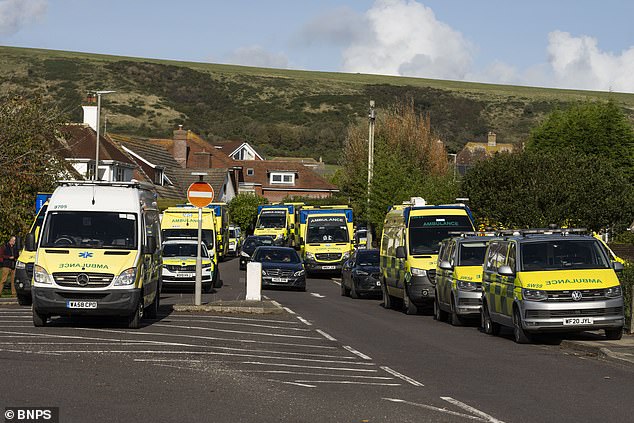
{"x":272,"y":219}
{"x":90,"y":230}
{"x":367,"y":258}
{"x":207,"y":235}
{"x":233,"y":233}
{"x":327,"y":229}
{"x":471,"y":253}
{"x":426,"y":232}
{"x":562,"y":254}
{"x":181,"y":250}
{"x":251,"y":243}
{"x":276,"y":255}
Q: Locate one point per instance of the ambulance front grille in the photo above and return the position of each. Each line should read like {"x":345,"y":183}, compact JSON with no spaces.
{"x":179,"y":268}
{"x":328,"y":256}
{"x":92,"y":280}
{"x":588,"y":312}
{"x":586,"y":295}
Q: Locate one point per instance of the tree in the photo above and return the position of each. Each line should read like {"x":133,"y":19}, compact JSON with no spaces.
{"x":592,"y":128}
{"x":538,"y":188}
{"x":29,"y":162}
{"x":243,"y":209}
{"x":409,"y":160}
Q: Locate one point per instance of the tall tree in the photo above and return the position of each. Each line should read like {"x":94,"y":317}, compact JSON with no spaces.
{"x":28,"y":160}
{"x":243,"y":209}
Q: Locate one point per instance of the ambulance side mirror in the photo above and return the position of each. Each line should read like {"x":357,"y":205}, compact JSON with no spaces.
{"x":292,"y":226}
{"x":506,"y":271}
{"x":445,"y":265}
{"x":400,"y":252}
{"x":618,"y":267}
{"x":30,"y":243}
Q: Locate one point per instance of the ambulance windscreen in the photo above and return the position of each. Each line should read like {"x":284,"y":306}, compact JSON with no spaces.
{"x":562,"y":255}
{"x":426,"y":232}
{"x":90,"y":230}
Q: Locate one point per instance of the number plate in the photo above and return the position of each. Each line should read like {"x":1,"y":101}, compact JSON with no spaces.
{"x":328,"y":267}
{"x":279,"y":280}
{"x":185,"y":275}
{"x":81,"y":304}
{"x":573,"y":321}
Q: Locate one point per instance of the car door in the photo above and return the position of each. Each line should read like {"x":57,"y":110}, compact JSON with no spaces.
{"x":443,"y":276}
{"x":507,"y":284}
{"x":499,"y":285}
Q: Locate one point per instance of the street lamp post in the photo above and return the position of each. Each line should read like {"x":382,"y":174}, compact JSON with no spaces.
{"x":372,"y":118}
{"x":99,"y":93}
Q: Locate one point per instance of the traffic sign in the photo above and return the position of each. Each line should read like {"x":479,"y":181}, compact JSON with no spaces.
{"x":200,"y":194}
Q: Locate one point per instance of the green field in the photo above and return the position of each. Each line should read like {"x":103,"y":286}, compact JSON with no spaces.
{"x":281,"y":112}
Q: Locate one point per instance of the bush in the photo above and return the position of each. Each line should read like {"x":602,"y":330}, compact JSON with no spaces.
{"x":627,"y":283}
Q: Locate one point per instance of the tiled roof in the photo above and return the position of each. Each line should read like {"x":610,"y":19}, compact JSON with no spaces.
{"x":215,"y":177}
{"x":304,"y":179}
{"x":80,"y":143}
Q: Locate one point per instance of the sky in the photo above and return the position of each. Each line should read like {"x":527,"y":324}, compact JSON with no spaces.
{"x":577,"y":44}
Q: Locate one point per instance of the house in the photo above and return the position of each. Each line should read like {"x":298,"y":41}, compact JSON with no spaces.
{"x":238,"y":150}
{"x":473,"y":152}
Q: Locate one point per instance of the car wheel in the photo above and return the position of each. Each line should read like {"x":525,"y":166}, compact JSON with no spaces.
{"x":353,"y":290}
{"x":208,"y":287}
{"x":519,"y":334}
{"x":39,"y":319}
{"x":455,"y":319}
{"x":408,"y":306}
{"x":614,"y":334}
{"x":439,"y":314}
{"x":488,"y":326}
{"x":388,"y":301}
{"x":134,"y":321}
{"x":24,"y":300}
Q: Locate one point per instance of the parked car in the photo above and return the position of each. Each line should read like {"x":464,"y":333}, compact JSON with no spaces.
{"x":281,"y":267}
{"x":361,"y":274}
{"x":248,"y":247}
{"x":179,"y":264}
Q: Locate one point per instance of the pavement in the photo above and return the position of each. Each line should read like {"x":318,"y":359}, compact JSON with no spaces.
{"x":593,"y":344}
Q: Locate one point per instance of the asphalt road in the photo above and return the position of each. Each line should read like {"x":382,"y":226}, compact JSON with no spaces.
{"x":329,"y":359}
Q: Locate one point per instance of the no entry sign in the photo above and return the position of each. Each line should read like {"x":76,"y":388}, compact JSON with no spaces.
{"x":200,"y":194}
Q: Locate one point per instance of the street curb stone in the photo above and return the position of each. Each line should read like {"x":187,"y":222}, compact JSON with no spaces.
{"x":240,"y":306}
{"x":598,"y":351}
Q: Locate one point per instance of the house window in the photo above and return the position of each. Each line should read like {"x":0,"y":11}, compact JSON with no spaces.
{"x":249,"y":172}
{"x":282,"y":178}
{"x":158,"y":176}
{"x":119,"y":174}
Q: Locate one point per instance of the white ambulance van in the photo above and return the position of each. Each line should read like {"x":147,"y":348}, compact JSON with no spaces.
{"x":98,"y":253}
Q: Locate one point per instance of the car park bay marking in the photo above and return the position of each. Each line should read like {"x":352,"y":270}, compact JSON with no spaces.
{"x":348,"y":382}
{"x":247,"y":324}
{"x":325,"y":335}
{"x":344,"y":369}
{"x":288,"y":310}
{"x":286,"y":372}
{"x":204,"y":318}
{"x":431,"y":407}
{"x":304,"y":321}
{"x":336,"y":281}
{"x":315,"y":294}
{"x":241,"y":332}
{"x":303,"y":385}
{"x":401,"y":376}
{"x":357,"y":353}
{"x":484,"y":416}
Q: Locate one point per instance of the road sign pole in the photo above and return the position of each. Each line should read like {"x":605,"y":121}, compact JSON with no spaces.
{"x":199,"y":265}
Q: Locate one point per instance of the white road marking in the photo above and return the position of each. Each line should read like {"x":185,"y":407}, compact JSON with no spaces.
{"x":30,"y":352}
{"x":401,"y":376}
{"x":304,"y":321}
{"x":315,"y":294}
{"x":170,"y":360}
{"x":206,"y":318}
{"x":265,"y":297}
{"x":348,"y":382}
{"x":304,"y":385}
{"x":325,"y":335}
{"x":257,"y":325}
{"x":345,"y":369}
{"x":289,"y":311}
{"x":355,"y":352}
{"x":484,"y":416}
{"x":429,"y":407}
{"x":336,"y":281}
{"x":277,"y":335}
{"x":286,"y":372}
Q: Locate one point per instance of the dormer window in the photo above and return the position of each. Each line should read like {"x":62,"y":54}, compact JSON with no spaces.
{"x":282,"y":178}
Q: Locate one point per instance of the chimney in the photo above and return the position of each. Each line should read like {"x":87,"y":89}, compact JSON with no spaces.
{"x":90,"y":113}
{"x":201,"y":159}
{"x":491,"y":138}
{"x":180,"y":146}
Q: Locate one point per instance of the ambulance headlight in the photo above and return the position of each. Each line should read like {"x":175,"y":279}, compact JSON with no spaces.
{"x":206,"y":266}
{"x":127,"y":277}
{"x":418,"y":272}
{"x":310,"y":256}
{"x":614,"y":292}
{"x":20,"y":265}
{"x":40,"y":275}
{"x":467,"y":286}
{"x":534,"y":294}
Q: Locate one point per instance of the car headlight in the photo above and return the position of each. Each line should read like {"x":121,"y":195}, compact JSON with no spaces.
{"x":299,"y":273}
{"x":310,"y":256}
{"x":418,"y":272}
{"x":534,"y":294}
{"x":40,"y":275}
{"x":614,"y":292}
{"x":243,"y":254}
{"x":263,"y":272}
{"x":20,"y":265}
{"x":467,"y":286}
{"x":127,"y":277}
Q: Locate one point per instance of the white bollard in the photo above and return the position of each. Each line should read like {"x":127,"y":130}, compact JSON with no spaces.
{"x":254,"y":281}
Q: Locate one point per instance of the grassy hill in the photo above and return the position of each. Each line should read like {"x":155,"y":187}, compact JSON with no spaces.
{"x":281,"y":112}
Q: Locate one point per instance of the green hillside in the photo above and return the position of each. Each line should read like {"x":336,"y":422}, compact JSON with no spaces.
{"x":281,"y":112}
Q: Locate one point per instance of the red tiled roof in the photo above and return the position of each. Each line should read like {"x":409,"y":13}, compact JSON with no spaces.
{"x":304,"y":177}
{"x":79,"y":143}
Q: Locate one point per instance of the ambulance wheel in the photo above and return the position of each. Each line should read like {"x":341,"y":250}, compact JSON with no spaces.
{"x":152,"y":310}
{"x":388,"y":301}
{"x":614,"y":334}
{"x":134,"y":321}
{"x":519,"y":334}
{"x":207,"y":287}
{"x":439,"y":314}
{"x":24,"y":300}
{"x":39,"y":319}
{"x":217,"y":281}
{"x":488,"y":326}
{"x":455,"y":319}
{"x":408,"y":306}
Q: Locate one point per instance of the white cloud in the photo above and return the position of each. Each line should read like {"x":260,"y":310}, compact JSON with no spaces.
{"x":257,"y":56}
{"x":14,"y":14}
{"x":403,"y":37}
{"x":339,"y":27}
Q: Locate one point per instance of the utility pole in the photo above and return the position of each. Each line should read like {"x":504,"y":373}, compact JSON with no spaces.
{"x":99,"y":94}
{"x":371,"y":118}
